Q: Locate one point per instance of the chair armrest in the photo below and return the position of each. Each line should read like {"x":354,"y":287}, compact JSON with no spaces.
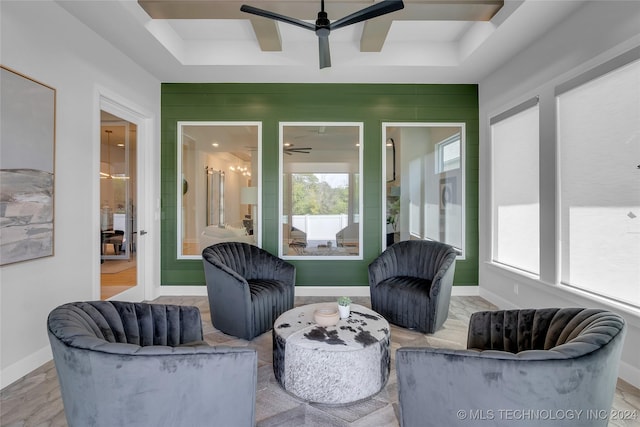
{"x":286,"y":272}
{"x":443,"y":279}
{"x":440,"y":292}
{"x":227,"y":288}
{"x":225,"y":278}
{"x":224,"y":269}
{"x":380,"y":269}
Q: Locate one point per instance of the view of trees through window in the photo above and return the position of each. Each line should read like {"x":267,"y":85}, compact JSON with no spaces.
{"x":320,"y":194}
{"x":320,"y":190}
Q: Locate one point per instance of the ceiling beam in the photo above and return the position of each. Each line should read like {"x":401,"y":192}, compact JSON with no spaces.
{"x":190,"y":9}
{"x":374,"y":32}
{"x":267,"y":34}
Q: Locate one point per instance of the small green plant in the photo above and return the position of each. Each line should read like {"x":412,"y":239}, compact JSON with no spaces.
{"x":393,"y":210}
{"x":344,"y":301}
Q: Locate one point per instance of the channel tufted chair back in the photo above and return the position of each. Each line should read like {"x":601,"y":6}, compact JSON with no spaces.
{"x":248,"y":288}
{"x":565,"y":331}
{"x":533,"y":367}
{"x":138,"y":364}
{"x":410,"y":284}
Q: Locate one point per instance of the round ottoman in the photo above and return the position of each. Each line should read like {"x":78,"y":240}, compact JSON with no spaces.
{"x":338,"y":364}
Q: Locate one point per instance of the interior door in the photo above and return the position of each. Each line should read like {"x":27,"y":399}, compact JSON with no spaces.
{"x":118,"y":205}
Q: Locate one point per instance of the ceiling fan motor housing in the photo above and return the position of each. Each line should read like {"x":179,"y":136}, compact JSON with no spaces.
{"x":322,"y":24}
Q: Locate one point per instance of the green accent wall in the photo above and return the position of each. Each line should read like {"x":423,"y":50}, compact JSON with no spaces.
{"x":270,"y":104}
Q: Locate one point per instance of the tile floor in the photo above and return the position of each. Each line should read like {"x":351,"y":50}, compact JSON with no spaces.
{"x":35,"y":399}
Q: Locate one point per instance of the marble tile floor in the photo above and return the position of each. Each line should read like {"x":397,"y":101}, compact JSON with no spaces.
{"x":35,"y":400}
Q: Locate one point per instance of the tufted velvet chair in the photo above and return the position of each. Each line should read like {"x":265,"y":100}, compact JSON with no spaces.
{"x":248,"y":288}
{"x":530,"y":368}
{"x":410,"y":284}
{"x":137,"y":364}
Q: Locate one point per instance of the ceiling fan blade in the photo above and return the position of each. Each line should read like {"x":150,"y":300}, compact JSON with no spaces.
{"x":277,"y":17}
{"x":297,"y":150}
{"x":378,"y":9}
{"x":323,"y":48}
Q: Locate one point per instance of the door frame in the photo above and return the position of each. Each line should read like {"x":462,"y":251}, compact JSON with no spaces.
{"x":146,"y":265}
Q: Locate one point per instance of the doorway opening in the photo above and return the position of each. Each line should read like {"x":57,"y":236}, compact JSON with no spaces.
{"x":118,"y":202}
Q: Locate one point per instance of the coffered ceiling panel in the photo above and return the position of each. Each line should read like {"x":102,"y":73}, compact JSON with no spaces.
{"x":428,"y":41}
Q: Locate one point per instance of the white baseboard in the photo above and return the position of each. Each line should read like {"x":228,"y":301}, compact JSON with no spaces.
{"x":305,"y":291}
{"x":332,"y":291}
{"x":496,"y":299}
{"x":465,"y":291}
{"x":630,"y":374}
{"x":14,"y":372}
{"x":363,"y":291}
{"x":308,"y":291}
{"x":186,"y":291}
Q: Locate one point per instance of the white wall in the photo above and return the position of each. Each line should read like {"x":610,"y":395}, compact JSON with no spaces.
{"x":44,"y":42}
{"x":596,"y":32}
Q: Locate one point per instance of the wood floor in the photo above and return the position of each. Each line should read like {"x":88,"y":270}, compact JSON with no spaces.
{"x":112,"y":284}
{"x":191,"y":248}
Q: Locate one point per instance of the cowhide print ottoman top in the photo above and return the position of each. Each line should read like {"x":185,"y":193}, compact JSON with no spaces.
{"x":338,"y":364}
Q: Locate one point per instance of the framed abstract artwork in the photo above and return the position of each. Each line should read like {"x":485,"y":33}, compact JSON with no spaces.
{"x":27,"y":159}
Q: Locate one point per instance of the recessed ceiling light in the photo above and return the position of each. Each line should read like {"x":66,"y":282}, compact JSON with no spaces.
{"x":215,"y":144}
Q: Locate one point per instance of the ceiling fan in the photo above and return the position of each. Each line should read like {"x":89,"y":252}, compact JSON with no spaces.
{"x":290,"y":149}
{"x":323,"y":26}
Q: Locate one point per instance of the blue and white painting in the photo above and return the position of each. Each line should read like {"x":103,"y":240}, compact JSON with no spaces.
{"x":27,"y":145}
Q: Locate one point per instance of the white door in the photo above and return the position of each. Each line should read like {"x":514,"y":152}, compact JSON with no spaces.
{"x":121,"y":203}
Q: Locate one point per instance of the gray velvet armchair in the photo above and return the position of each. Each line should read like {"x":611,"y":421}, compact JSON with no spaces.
{"x":137,"y":364}
{"x":530,"y":368}
{"x":248,"y":288}
{"x":410,"y":284}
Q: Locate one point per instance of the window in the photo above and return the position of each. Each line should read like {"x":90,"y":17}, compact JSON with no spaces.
{"x":515,"y":187}
{"x":218,"y":186}
{"x":320,"y":190}
{"x":448,"y":154}
{"x":598,"y":116}
{"x":425,"y":198}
